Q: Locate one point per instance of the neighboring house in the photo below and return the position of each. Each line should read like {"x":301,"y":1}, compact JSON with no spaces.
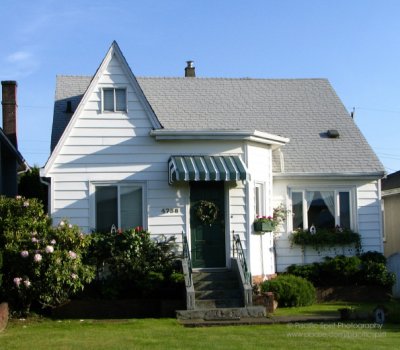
{"x":391,"y":205}
{"x":129,"y":151}
{"x":11,"y":161}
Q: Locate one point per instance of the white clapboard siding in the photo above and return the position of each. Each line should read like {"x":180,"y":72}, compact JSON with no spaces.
{"x":117,"y":147}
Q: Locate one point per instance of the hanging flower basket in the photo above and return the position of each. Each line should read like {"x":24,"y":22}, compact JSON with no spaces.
{"x":260,"y":226}
{"x":206,"y":212}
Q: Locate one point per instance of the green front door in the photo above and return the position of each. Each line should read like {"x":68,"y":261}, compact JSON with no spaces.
{"x":207,"y":228}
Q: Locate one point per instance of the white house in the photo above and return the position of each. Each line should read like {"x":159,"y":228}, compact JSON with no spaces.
{"x":130,"y":151}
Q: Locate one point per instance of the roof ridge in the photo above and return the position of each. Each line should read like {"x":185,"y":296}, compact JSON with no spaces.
{"x":230,"y":78}
{"x":201,"y":78}
{"x":74,"y":76}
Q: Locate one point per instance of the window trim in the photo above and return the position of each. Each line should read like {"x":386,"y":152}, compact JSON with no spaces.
{"x":114,"y":88}
{"x":92,"y":196}
{"x":336,"y":189}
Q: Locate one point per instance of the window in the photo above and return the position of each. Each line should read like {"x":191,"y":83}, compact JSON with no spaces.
{"x":120,"y":205}
{"x":259,"y":199}
{"x":321,"y":208}
{"x":114,"y":100}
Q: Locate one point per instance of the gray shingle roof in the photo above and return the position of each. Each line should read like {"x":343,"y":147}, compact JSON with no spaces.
{"x":68,"y":88}
{"x":300,"y":109}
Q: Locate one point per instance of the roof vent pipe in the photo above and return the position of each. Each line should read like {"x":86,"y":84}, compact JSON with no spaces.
{"x":69,"y":107}
{"x":190,"y":70}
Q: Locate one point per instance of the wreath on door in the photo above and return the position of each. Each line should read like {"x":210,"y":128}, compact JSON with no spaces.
{"x":206,"y":212}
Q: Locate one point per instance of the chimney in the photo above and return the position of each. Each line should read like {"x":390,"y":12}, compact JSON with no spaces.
{"x":190,"y":70}
{"x":9,"y":102}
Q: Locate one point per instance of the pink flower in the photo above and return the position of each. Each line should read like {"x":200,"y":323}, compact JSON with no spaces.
{"x":53,"y":241}
{"x":24,"y":253}
{"x":49,"y":249}
{"x":18,"y":197}
{"x":72,"y":254}
{"x":34,"y":240}
{"x":37,"y":257}
{"x":27,"y":283}
{"x":17,"y":281}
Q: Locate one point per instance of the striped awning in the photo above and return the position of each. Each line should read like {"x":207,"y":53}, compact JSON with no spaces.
{"x":207,"y":168}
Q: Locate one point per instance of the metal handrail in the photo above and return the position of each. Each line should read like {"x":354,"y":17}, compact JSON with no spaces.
{"x":238,"y":250}
{"x":186,"y":256}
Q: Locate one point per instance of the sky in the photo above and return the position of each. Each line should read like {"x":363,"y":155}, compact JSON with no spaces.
{"x":354,"y":44}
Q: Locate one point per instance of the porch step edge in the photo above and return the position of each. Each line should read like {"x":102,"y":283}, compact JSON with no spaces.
{"x":222,"y":313}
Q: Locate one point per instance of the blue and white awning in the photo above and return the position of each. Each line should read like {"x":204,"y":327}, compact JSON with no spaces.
{"x":207,"y":168}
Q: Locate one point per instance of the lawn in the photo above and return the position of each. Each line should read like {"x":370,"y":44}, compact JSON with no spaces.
{"x":40,"y":333}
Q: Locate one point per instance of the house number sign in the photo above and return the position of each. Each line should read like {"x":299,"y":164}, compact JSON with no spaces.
{"x":170,"y":210}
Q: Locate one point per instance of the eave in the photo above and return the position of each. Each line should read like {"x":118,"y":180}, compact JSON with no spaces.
{"x":274,"y":141}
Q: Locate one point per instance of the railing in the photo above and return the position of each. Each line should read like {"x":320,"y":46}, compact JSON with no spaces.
{"x":186,"y":257}
{"x":187,"y":271}
{"x":239,"y":254}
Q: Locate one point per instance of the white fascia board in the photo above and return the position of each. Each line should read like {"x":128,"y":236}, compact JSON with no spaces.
{"x":333,"y":176}
{"x":255,"y":136}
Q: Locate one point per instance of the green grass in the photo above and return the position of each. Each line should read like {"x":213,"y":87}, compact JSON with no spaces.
{"x":168,"y":334}
{"x":331,"y":309}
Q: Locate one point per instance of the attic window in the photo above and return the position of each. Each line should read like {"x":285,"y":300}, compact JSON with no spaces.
{"x":114,"y":100}
{"x":333,"y":134}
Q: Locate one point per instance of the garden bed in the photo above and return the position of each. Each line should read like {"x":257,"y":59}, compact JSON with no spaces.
{"x":353,"y":293}
{"x":126,"y":308}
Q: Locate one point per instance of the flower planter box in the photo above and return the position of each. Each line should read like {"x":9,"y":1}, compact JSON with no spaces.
{"x":263,"y":227}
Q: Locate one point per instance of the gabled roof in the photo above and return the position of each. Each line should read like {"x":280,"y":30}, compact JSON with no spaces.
{"x":22,"y":164}
{"x":79,"y":93}
{"x":302,"y":110}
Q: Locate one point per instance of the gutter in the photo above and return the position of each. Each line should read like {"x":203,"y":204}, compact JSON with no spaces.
{"x":253,"y":135}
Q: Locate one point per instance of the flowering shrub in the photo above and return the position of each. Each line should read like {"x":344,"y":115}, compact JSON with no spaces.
{"x":278,"y":217}
{"x":130,"y":263}
{"x":42,"y":264}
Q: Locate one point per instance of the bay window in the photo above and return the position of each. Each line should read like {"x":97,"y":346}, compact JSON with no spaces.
{"x":324,"y":208}
{"x":120,"y":205}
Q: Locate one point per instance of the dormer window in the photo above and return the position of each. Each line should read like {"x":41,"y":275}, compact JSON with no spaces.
{"x":114,"y":100}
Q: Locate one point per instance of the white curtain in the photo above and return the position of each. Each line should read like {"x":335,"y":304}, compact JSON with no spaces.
{"x":329,"y":200}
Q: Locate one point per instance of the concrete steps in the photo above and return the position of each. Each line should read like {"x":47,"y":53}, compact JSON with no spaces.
{"x":218,"y":297}
{"x":217,"y":289}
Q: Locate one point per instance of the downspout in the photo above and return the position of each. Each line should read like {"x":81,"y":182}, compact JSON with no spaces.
{"x":47,"y":181}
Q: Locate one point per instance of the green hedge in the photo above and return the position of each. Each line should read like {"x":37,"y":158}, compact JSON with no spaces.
{"x":290,"y":290}
{"x":366,"y":269}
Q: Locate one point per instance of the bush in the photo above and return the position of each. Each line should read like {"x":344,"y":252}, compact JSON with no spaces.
{"x":290,"y":290}
{"x":339,"y":270}
{"x":42,"y":264}
{"x":376,"y":274}
{"x":130,"y":263}
{"x":373,"y":257}
{"x":310,"y":272}
{"x":1,"y":265}
{"x":367,"y":269}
